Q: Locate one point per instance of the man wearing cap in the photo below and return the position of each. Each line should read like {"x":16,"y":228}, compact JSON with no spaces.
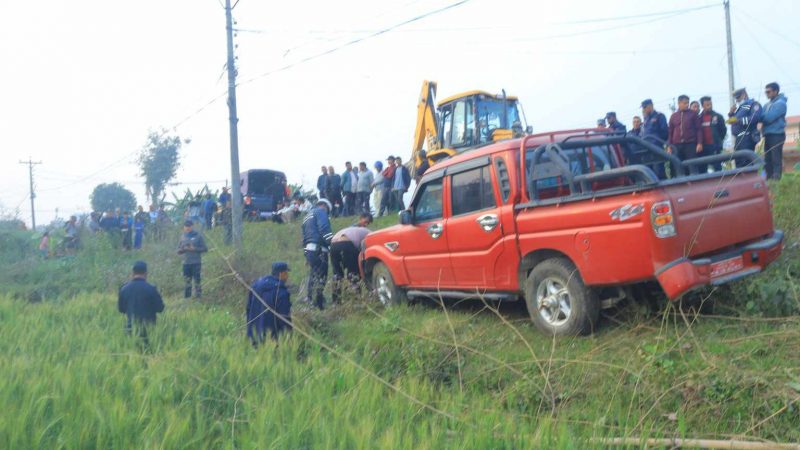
{"x":139,"y":301}
{"x":317,"y":237}
{"x":345,"y":248}
{"x":685,"y":131}
{"x":268,"y":305}
{"x":387,"y":202}
{"x":615,"y":125}
{"x":655,"y":131}
{"x":743,"y":119}
{"x":191,"y":247}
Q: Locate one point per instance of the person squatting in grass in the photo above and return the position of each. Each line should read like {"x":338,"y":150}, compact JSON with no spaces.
{"x":276,"y":316}
{"x":139,"y":301}
{"x":191,"y":247}
{"x":317,"y":237}
{"x":345,"y":247}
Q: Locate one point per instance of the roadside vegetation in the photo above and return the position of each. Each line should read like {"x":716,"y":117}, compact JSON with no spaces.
{"x":428,"y":375}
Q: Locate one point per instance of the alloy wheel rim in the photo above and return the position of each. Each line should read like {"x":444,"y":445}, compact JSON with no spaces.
{"x":553,"y":301}
{"x":384,"y":290}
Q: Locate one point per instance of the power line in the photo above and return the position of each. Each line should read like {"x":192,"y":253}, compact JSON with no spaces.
{"x":764,"y":49}
{"x":768,"y":28}
{"x":355,"y":41}
{"x":640,"y":16}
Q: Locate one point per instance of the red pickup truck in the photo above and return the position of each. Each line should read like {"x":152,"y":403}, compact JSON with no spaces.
{"x":558,"y":220}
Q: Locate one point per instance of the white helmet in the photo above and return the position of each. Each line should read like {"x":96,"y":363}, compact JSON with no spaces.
{"x":324,"y":201}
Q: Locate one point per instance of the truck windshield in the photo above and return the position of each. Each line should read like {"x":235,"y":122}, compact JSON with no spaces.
{"x":263,"y":183}
{"x":490,"y":116}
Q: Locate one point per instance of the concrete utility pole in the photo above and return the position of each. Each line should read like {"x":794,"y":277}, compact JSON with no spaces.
{"x":236,"y":195}
{"x":30,"y":164}
{"x":727,"y":4}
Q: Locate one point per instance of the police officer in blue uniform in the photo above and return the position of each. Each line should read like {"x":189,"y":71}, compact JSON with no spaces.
{"x":317,"y":237}
{"x":269,"y":307}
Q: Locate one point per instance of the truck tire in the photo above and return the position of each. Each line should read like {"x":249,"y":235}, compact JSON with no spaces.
{"x":558,"y":302}
{"x":383,"y":284}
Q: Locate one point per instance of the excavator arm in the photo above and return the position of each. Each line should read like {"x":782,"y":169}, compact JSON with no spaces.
{"x":426,"y":131}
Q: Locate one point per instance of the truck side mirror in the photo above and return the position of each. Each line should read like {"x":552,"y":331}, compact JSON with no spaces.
{"x":405,"y":217}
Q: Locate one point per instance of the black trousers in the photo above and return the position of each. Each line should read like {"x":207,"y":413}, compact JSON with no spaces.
{"x":317,"y":276}
{"x":711,"y":150}
{"x":744,"y":142}
{"x":344,"y":259}
{"x":686,"y":151}
{"x":191,"y":272}
{"x":773,"y":155}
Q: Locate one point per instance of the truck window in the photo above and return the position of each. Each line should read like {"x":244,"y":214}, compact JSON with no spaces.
{"x":446,"y":126}
{"x":429,"y":205}
{"x":472,"y":191}
{"x":459,"y":124}
{"x":545,"y":179}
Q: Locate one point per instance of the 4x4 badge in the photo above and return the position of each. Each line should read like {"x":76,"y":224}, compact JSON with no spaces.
{"x":626,"y":212}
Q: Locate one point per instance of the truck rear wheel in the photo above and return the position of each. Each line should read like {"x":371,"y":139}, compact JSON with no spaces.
{"x":383,"y":284}
{"x":558,"y":301}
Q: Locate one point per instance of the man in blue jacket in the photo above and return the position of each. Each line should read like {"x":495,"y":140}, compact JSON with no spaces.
{"x":655,"y":131}
{"x":317,"y":237}
{"x":268,"y":305}
{"x":773,"y":125}
{"x":743,"y":119}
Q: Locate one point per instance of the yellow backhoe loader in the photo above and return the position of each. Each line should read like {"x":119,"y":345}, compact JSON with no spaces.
{"x":462,"y":122}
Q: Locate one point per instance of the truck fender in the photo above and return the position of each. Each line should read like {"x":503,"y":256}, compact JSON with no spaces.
{"x":532,"y":259}
{"x":374,"y":255}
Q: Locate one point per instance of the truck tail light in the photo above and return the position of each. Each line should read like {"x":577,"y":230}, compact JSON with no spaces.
{"x":662,"y":219}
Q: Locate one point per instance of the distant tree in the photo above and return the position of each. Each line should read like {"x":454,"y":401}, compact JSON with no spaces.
{"x":111,"y":196}
{"x":159,"y":162}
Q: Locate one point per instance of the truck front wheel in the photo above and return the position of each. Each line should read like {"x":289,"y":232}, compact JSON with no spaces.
{"x":558,"y":301}
{"x":383,"y":284}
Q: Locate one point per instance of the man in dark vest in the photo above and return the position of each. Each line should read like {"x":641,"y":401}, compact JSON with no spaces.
{"x":268,"y":305}
{"x":140,"y":301}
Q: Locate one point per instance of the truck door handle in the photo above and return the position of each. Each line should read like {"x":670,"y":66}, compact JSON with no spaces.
{"x":435,"y":230}
{"x":488,"y":222}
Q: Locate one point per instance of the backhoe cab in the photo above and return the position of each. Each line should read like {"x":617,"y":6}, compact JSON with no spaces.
{"x":464,"y":121}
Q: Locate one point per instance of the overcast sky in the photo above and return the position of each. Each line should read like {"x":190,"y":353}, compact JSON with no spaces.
{"x":83,"y":82}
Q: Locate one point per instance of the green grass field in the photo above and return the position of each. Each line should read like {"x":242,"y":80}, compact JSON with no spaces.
{"x":429,"y":375}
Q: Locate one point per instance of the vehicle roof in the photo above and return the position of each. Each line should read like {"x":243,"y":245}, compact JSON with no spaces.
{"x":513,"y":144}
{"x":263,"y":170}
{"x":471,"y":93}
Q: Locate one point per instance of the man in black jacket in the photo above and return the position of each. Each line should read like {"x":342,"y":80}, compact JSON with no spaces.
{"x":713,"y":131}
{"x":140,"y":301}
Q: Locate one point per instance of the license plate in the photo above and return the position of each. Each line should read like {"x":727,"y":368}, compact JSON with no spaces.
{"x":726,"y":266}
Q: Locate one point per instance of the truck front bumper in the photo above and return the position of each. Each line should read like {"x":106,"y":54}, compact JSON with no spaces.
{"x":683,"y":275}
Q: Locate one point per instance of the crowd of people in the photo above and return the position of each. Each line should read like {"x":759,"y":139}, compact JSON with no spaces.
{"x":360,"y":190}
{"x":696,"y":130}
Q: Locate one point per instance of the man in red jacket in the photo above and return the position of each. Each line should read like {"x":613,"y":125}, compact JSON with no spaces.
{"x":685,"y":131}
